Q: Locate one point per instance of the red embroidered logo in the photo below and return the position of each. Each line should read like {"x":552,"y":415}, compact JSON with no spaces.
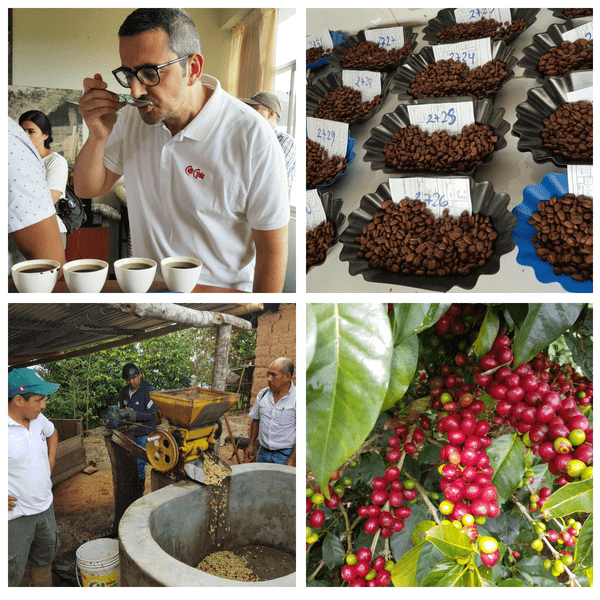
{"x":196,"y":173}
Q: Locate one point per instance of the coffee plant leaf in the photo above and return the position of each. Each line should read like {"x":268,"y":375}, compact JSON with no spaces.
{"x":429,"y":557}
{"x":445,"y":574}
{"x":487,"y":333}
{"x":346,"y":382}
{"x":543,"y":324}
{"x":405,"y":359}
{"x":453,"y":542}
{"x":511,"y":583}
{"x":507,"y":458}
{"x":589,"y":573}
{"x":583,"y":548}
{"x":311,"y":334}
{"x":409,"y":319}
{"x":404,"y":571}
{"x":577,"y":496}
{"x":333,"y":552}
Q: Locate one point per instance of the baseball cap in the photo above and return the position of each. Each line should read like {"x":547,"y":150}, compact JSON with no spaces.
{"x":22,"y":381}
{"x":266,"y":99}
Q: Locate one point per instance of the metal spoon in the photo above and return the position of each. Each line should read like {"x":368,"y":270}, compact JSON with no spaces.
{"x":133,"y":102}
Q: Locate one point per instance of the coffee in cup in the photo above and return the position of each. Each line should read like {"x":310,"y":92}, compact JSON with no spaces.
{"x":181,"y":273}
{"x":36,"y":276}
{"x":135,"y":275}
{"x":86,"y":275}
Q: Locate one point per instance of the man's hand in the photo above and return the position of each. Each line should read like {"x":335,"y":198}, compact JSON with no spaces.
{"x":249,"y":454}
{"x":12,"y":502}
{"x":98,"y":107}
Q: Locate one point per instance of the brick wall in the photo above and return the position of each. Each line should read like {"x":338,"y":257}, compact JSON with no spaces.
{"x":275,"y":338}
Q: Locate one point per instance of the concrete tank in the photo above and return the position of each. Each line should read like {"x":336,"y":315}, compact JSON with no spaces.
{"x":165,"y":534}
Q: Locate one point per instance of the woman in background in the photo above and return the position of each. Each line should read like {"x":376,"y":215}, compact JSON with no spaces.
{"x":37,"y":126}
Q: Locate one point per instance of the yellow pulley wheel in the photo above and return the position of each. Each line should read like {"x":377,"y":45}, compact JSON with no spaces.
{"x":162,"y":450}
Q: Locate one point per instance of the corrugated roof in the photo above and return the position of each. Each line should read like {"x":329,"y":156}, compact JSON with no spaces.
{"x":39,"y":331}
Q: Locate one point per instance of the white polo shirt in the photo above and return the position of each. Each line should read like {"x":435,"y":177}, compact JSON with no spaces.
{"x":201,"y":192}
{"x":277,"y":429}
{"x":28,"y":466}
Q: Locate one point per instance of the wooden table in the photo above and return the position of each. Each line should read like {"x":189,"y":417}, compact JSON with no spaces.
{"x":112,"y":287}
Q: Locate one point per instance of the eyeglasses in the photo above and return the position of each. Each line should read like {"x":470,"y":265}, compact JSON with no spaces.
{"x":148,"y":76}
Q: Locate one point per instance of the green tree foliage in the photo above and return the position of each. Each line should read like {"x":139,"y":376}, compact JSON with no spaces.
{"x":89,"y":384}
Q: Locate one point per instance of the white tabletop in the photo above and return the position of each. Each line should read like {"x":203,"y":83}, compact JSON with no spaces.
{"x":510,"y":171}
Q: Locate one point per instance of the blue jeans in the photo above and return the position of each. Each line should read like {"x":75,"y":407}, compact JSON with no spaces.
{"x":279,"y":457}
{"x":140,"y":440}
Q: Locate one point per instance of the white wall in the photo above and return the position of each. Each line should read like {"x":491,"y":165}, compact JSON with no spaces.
{"x":356,"y":19}
{"x":59,"y":47}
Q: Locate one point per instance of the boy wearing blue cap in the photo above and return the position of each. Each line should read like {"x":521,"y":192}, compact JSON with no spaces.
{"x":32,"y":445}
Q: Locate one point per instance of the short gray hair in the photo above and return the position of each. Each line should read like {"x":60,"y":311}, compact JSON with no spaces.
{"x":183,"y":35}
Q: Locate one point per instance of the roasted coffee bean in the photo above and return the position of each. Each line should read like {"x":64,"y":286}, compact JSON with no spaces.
{"x":569,"y":131}
{"x":344,"y":105}
{"x":569,"y":56}
{"x":406,"y":238}
{"x":366,"y":55}
{"x":573,"y":13}
{"x":320,"y":168}
{"x":412,"y":149}
{"x":483,"y":28}
{"x":454,"y":78}
{"x":318,"y":241}
{"x":565,"y":235}
{"x":315,"y":54}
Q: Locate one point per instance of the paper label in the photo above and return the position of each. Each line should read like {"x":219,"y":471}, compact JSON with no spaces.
{"x":368,"y":83}
{"x":333,"y":136}
{"x":470,"y":15}
{"x":472,"y":52}
{"x":440,"y":194}
{"x":442,"y":116}
{"x":315,"y":213}
{"x":390,"y":37}
{"x":585,"y":94}
{"x":322,"y":39}
{"x":581,"y":180}
{"x":584,"y":31}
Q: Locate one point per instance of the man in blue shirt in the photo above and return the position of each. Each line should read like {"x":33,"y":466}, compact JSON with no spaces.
{"x":136,"y":395}
{"x":274,"y":417}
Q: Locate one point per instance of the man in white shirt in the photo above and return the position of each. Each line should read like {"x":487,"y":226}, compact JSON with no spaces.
{"x":205,"y":176}
{"x":32,"y":446}
{"x":274,"y":417}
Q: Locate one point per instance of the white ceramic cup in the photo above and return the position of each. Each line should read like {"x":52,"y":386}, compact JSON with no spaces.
{"x":132,"y":278}
{"x":35,"y":283}
{"x":85,"y":282}
{"x":180,"y":279}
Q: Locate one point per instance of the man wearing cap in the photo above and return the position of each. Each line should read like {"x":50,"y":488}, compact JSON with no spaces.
{"x":274,"y":417}
{"x":136,"y":395}
{"x":269,"y":106}
{"x":32,"y":445}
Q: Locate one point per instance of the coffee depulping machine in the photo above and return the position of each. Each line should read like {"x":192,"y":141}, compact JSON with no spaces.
{"x":193,"y":415}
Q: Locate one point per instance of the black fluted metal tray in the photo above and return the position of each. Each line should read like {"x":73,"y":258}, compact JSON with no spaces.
{"x":485,"y":114}
{"x":484,"y":200}
{"x":445,"y":18}
{"x":541,"y":103}
{"x":316,"y":92}
{"x":409,"y":38}
{"x":333,"y":211}
{"x":416,"y":64}
{"x":542,"y":43}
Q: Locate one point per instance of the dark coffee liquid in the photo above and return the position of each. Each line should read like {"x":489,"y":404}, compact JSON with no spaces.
{"x":85,"y":268}
{"x":182,"y":265}
{"x":36,"y":269}
{"x":136,"y":266}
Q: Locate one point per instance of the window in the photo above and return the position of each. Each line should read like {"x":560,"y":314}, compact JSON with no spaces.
{"x":286,"y":68}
